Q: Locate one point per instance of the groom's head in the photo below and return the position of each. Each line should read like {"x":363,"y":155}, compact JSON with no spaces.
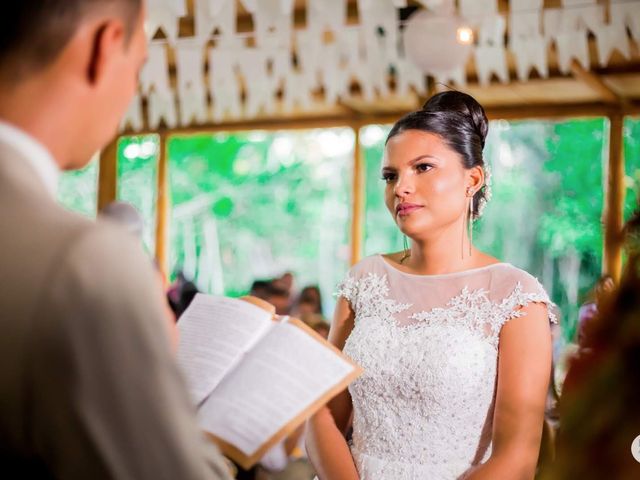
{"x":79,"y":58}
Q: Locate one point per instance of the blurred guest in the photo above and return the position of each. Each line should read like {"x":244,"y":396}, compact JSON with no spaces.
{"x":260,"y":289}
{"x":88,"y":384}
{"x":318,"y":323}
{"x":278,"y":297}
{"x":589,"y":310}
{"x":125,"y":216}
{"x":309,"y":302}
{"x":181,"y":293}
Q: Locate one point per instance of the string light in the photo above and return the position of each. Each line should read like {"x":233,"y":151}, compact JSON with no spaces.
{"x":464,"y":35}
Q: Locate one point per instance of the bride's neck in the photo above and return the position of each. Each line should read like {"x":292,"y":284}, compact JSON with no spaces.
{"x":440,"y":254}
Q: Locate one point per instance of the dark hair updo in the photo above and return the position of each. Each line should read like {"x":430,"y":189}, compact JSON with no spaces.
{"x":461,"y":122}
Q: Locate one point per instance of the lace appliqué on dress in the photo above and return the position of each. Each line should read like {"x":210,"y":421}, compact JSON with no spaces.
{"x":475,"y":310}
{"x":368,"y":296}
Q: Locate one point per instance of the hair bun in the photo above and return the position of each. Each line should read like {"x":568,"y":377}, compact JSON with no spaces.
{"x":461,"y":103}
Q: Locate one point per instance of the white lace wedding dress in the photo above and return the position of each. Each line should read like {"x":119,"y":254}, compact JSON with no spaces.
{"x":423,"y":409}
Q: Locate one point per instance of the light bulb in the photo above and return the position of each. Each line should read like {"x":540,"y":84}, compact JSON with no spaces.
{"x":464,"y":35}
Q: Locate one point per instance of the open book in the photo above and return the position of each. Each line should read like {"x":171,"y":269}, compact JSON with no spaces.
{"x":255,"y":379}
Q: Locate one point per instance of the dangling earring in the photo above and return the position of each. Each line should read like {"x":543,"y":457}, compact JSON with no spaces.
{"x":470,"y":223}
{"x":407,"y":252}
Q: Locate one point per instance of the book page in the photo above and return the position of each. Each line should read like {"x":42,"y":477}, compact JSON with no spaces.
{"x":282,"y":377}
{"x":214,"y":333}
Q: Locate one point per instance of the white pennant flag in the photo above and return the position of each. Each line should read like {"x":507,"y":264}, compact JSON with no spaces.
{"x":572,"y":45}
{"x":335,"y":77}
{"x":491,"y":59}
{"x":273,"y":21}
{"x":475,"y":10}
{"x":370,"y":74}
{"x":627,"y":14}
{"x":259,"y":85}
{"x":579,"y":18}
{"x":524,"y":6}
{"x":525,"y":24}
{"x":551,"y":21}
{"x":215,"y":14}
{"x":133,"y":116}
{"x":375,"y":16}
{"x":326,"y":15}
{"x":190,"y":75}
{"x":407,"y":76}
{"x":297,"y":91}
{"x":309,"y":52}
{"x":223,"y":84}
{"x":457,"y":76}
{"x":610,"y":38}
{"x":530,"y":52}
{"x":491,"y":31}
{"x":526,"y":41}
{"x":164,"y":15}
{"x":155,"y":74}
{"x":162,"y":106}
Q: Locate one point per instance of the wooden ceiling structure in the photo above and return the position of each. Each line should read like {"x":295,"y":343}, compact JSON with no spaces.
{"x":612,"y":91}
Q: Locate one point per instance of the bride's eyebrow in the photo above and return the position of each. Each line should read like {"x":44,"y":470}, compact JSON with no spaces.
{"x":422,"y":157}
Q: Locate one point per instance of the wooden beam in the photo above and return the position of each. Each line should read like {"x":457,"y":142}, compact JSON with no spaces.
{"x":552,"y":111}
{"x":162,"y":207}
{"x":614,"y":200}
{"x":357,"y":210}
{"x":593,"y":81}
{"x":107,"y":175}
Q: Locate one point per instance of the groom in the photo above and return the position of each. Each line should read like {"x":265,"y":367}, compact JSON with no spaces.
{"x":88,"y":386}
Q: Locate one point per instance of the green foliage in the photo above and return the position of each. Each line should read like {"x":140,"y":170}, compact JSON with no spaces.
{"x":632,"y":161}
{"x":77,"y":190}
{"x":253,"y":205}
{"x":381,"y":233}
{"x":137,"y":184}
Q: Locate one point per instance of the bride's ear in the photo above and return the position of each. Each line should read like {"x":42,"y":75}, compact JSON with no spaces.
{"x":475,"y":178}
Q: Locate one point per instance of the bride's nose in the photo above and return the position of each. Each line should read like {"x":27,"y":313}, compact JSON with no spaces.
{"x":405,"y":185}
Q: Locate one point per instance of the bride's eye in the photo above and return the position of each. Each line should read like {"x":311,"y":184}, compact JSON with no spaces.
{"x":388,"y":177}
{"x":424,"y":167}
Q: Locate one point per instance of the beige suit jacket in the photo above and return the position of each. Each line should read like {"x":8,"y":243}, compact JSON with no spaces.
{"x":88,"y":386}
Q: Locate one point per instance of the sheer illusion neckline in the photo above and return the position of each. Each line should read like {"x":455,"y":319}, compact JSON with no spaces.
{"x":440,"y":275}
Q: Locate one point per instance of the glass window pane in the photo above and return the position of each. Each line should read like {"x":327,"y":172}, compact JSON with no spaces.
{"x":632,"y":162}
{"x":380,"y":231}
{"x":137,"y":174}
{"x":253,"y":205}
{"x":78,"y":189}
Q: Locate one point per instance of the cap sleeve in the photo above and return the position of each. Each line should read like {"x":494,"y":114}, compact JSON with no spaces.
{"x":525,"y":290}
{"x":350,"y":285}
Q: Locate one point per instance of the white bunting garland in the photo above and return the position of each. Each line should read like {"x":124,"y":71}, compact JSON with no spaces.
{"x":297,"y":65}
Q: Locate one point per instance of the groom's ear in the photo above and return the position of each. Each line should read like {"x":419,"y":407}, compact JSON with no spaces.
{"x":107,"y":44}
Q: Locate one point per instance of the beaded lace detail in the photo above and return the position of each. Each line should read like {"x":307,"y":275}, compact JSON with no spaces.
{"x":424,"y":406}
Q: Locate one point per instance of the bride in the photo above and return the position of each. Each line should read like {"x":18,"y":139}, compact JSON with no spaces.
{"x":455,"y":344}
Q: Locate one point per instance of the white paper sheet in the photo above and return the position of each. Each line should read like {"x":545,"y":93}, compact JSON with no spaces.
{"x":214,"y":334}
{"x":282,"y":376}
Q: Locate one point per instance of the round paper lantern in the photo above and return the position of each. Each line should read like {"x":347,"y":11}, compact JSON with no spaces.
{"x":432,"y":42}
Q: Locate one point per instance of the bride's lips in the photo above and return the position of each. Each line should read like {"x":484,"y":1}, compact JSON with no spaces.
{"x":404,"y":209}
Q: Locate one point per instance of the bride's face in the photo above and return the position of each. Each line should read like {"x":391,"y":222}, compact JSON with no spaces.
{"x":426,"y":183}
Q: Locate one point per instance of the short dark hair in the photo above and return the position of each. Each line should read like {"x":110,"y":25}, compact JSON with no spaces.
{"x":34,"y":32}
{"x":460,"y":120}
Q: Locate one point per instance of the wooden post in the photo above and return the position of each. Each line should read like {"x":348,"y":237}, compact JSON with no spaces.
{"x":614,"y":200}
{"x":357,"y":210}
{"x":107,"y":175}
{"x":162,"y":207}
